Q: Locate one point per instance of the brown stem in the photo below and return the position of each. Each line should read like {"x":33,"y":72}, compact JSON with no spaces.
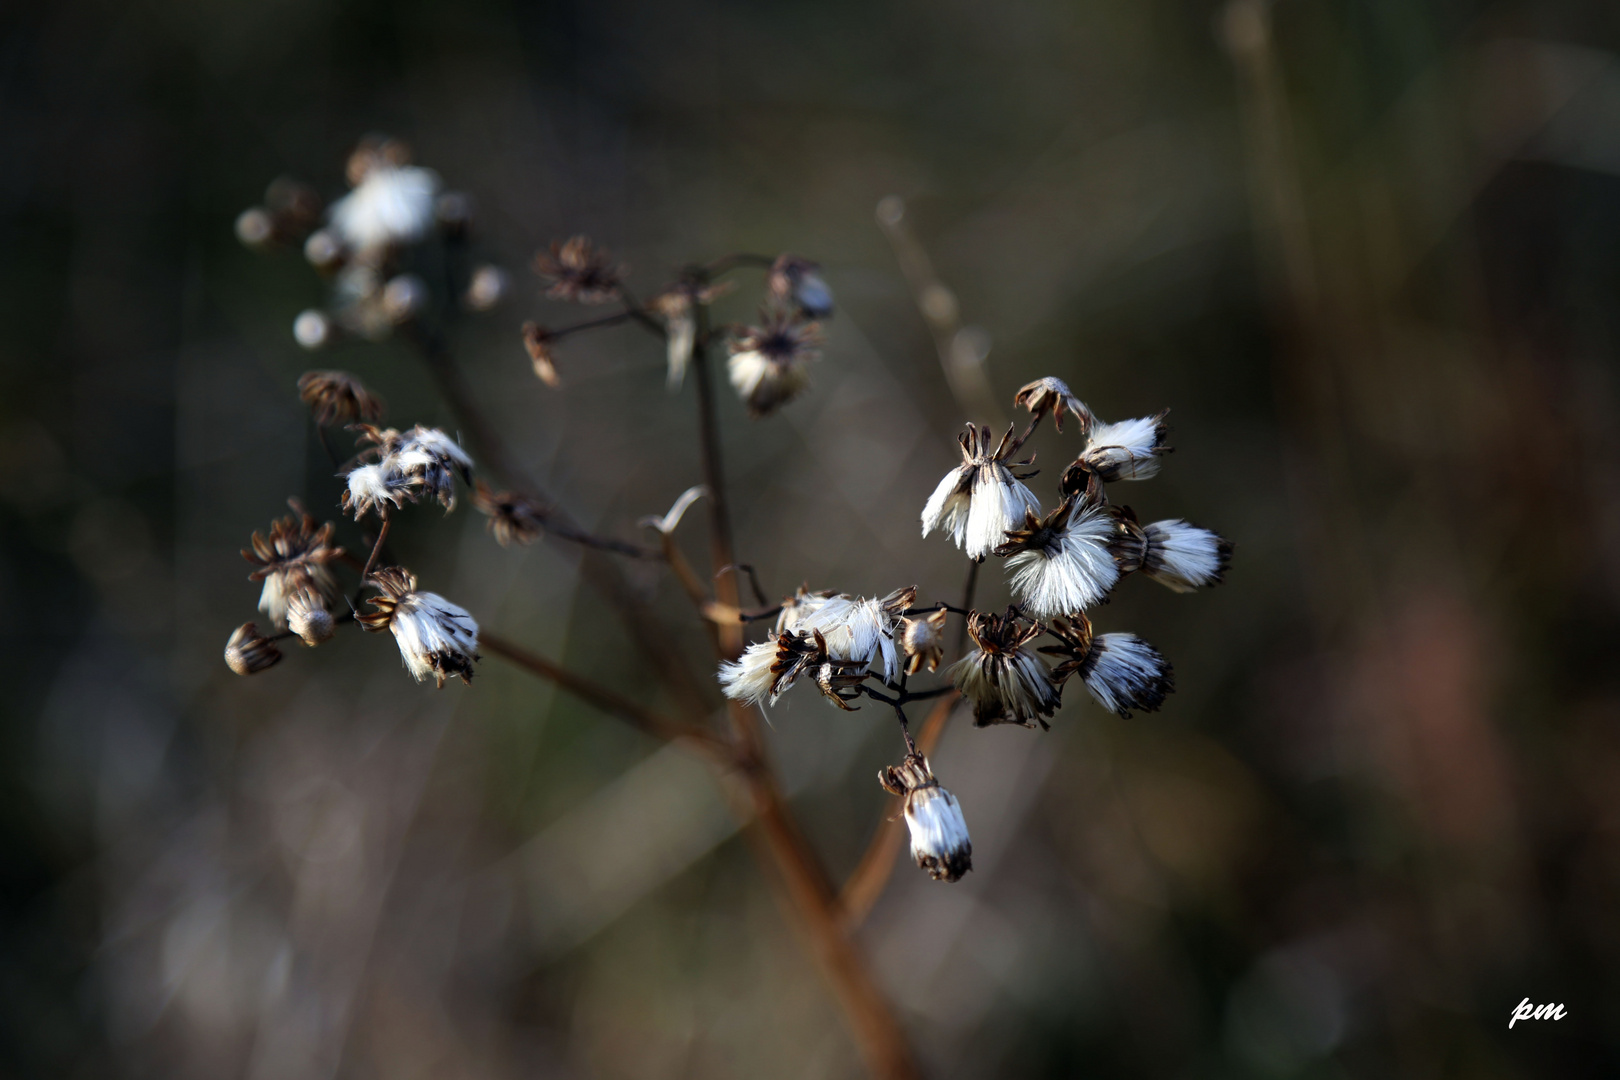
{"x":871,"y":1018}
{"x":609,"y":701}
{"x":598,"y":570}
{"x":371,"y":560}
{"x":871,"y":875}
{"x":967,"y":605}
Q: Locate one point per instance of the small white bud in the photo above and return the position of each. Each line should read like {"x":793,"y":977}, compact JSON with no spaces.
{"x":312,"y":329}
{"x":487,"y":288}
{"x":255,"y":228}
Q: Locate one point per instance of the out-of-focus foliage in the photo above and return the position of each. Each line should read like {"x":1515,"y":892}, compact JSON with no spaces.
{"x":1369,"y":254}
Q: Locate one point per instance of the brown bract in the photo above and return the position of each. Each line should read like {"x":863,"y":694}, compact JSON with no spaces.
{"x":336,"y":397}
{"x":1001,"y":634}
{"x":248,"y":653}
{"x":294,"y":542}
{"x":394,"y":584}
{"x":511,"y":516}
{"x":1049,"y":395}
{"x":579,"y":271}
{"x":801,"y":654}
{"x":1074,"y":647}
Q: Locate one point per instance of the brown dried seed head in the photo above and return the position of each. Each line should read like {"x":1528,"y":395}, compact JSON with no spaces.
{"x":1001,"y":633}
{"x":579,"y":271}
{"x":336,"y":397}
{"x":511,"y":516}
{"x":247,"y":653}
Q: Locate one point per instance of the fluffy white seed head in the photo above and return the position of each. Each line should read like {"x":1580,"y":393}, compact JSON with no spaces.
{"x":939,"y":833}
{"x":1128,"y":450}
{"x":1073,"y":569}
{"x":437,"y":639}
{"x":390,"y":206}
{"x":749,"y":677}
{"x":763,"y":383}
{"x":372,"y":487}
{"x":1123,"y":672}
{"x":1184,"y":557}
{"x":1000,"y":502}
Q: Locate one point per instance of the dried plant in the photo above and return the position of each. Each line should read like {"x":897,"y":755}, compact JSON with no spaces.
{"x":852,"y":649}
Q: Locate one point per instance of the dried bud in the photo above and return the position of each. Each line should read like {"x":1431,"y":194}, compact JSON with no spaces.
{"x":939,"y":835}
{"x":486,"y":288}
{"x":980,"y":499}
{"x":767,"y":366}
{"x":308,"y":618}
{"x":537,"y":339}
{"x":404,"y":298}
{"x":511,"y":516}
{"x":246,"y":653}
{"x":923,"y":641}
{"x":1053,"y":396}
{"x":336,"y":397}
{"x":1006,"y":682}
{"x":313,"y":330}
{"x":436,"y":638}
{"x":580,"y":272}
{"x":798,"y":281}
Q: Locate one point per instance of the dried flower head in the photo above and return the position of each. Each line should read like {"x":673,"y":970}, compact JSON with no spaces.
{"x":537,"y":339}
{"x":436,"y":638}
{"x":291,"y":560}
{"x":1121,"y":671}
{"x":796,"y":608}
{"x":1049,"y":395}
{"x":980,"y":499}
{"x":1128,"y":450}
{"x":923,"y":641}
{"x":511,"y":516}
{"x":796,"y":280}
{"x":417,"y":464}
{"x":336,"y":397}
{"x":1006,"y":682}
{"x":860,"y":629}
{"x":1064,"y":562}
{"x":809,"y":654}
{"x":939,"y":835}
{"x":579,"y":271}
{"x":767,"y":362}
{"x":246,"y":653}
{"x":1180,"y":556}
{"x":391,"y":204}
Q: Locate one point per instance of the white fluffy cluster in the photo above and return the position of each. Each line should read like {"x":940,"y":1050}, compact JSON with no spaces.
{"x":421,"y":463}
{"x":1184,"y":557}
{"x":436,"y":638}
{"x":854,"y":629}
{"x":978,"y":501}
{"x":1073,"y":569}
{"x":390,"y":207}
{"x":764,"y":383}
{"x":1124,"y":673}
{"x":1128,"y":450}
{"x":939,"y":833}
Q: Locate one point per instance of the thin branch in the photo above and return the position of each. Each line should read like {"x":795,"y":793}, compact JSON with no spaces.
{"x":600,"y":572}
{"x":609,"y":701}
{"x":967,"y":605}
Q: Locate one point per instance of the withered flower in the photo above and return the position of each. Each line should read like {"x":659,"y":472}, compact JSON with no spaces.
{"x":420,"y":463}
{"x":1180,"y":556}
{"x":1128,"y":450}
{"x":809,"y":654}
{"x":293,"y":560}
{"x":859,"y":629}
{"x":537,"y":339}
{"x":436,"y":638}
{"x":767,"y":366}
{"x":799,"y":606}
{"x":923,"y":641}
{"x":1121,"y":671}
{"x":579,"y":271}
{"x":246,"y":653}
{"x":1050,"y":395}
{"x":939,"y":835}
{"x":1006,"y":682}
{"x":511,"y":516}
{"x":980,"y":499}
{"x":336,"y":397}
{"x":796,"y":280}
{"x":1065,"y":561}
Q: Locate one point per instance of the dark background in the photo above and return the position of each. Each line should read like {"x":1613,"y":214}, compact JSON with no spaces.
{"x":1370,"y":260}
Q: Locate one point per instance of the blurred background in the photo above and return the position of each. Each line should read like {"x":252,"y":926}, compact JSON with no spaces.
{"x":1367,"y":253}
